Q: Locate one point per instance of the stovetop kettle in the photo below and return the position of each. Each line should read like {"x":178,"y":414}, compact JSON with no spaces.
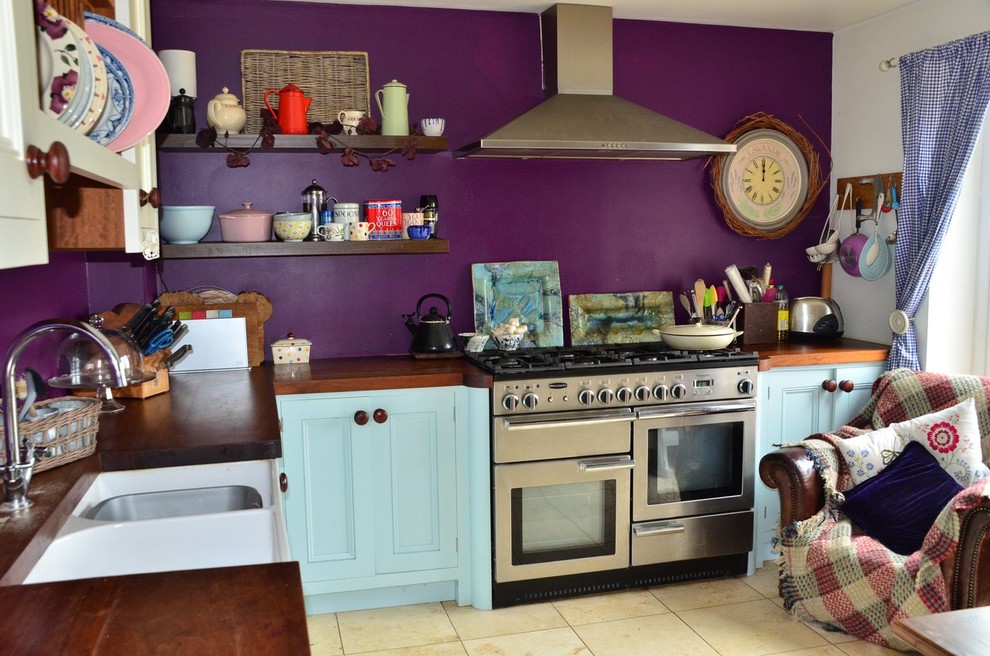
{"x":433,"y":333}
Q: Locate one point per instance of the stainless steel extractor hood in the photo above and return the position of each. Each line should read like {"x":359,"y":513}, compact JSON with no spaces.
{"x":581,"y":119}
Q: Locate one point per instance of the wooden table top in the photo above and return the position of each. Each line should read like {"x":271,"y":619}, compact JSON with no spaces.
{"x":955,"y":633}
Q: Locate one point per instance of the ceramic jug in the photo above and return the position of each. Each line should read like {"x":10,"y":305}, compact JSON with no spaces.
{"x":225,"y":113}
{"x":393,"y":103}
{"x":292,"y":108}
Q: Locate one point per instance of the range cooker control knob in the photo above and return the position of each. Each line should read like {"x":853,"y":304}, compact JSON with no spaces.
{"x":643,"y":393}
{"x":586,"y":397}
{"x":746,"y":386}
{"x":605,"y":395}
{"x":678,"y":391}
{"x":624,"y":394}
{"x":510,"y":402}
{"x":660,"y":391}
{"x":531,"y":401}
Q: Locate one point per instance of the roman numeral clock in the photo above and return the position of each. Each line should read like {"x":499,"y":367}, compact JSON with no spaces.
{"x":763,"y":188}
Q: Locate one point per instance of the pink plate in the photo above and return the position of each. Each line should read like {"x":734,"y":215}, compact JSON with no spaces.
{"x":151,"y":88}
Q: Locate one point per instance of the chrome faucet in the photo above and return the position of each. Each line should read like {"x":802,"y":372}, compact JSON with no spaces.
{"x":19,"y":461}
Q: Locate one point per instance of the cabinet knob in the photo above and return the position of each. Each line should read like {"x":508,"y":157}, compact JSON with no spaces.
{"x":55,"y":162}
{"x":153,"y":197}
{"x":380,"y":416}
{"x":361,"y":417}
{"x":283,"y":482}
{"x":847,"y":386}
{"x":829,"y":385}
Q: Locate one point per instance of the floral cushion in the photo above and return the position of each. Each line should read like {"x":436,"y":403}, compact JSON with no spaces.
{"x":951,"y":435}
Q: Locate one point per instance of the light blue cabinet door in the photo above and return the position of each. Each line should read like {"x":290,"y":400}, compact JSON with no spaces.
{"x":327,"y":458}
{"x":848,"y":404}
{"x":415,"y":473}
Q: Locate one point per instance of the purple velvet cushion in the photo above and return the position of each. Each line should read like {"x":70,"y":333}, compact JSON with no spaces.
{"x":899,"y":505}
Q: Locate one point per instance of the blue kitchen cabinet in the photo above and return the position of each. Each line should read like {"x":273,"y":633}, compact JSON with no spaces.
{"x":376,"y":512}
{"x":794,"y":403}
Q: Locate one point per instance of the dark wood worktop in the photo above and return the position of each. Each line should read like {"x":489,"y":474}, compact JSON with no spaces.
{"x":831,"y":352}
{"x":377,"y":373}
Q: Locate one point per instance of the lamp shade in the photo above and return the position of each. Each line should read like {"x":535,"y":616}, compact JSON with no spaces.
{"x":180,"y":65}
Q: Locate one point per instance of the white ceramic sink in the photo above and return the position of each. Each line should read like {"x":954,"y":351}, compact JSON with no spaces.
{"x":199,"y":521}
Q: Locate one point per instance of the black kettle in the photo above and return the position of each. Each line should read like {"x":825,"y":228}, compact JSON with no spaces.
{"x":432,"y":334}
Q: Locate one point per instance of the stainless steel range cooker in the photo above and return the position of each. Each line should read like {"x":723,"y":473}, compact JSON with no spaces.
{"x":618,"y":466}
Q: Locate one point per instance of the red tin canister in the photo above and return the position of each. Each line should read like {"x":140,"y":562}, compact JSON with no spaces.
{"x":386,"y":215}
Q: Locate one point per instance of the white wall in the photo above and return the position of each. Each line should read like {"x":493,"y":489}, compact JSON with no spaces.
{"x":866,"y":136}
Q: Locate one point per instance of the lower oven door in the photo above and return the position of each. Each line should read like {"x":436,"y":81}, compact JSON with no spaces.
{"x":693,"y":459}
{"x":561,"y":517}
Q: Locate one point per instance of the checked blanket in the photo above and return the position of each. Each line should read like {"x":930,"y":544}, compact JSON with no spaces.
{"x":834,"y":574}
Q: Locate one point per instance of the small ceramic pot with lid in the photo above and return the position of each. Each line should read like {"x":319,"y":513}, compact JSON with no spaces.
{"x":226,"y":114}
{"x":246,"y":224}
{"x":291,"y":350}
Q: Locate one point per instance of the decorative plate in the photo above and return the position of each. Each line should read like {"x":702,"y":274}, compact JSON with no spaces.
{"x":100,"y":18}
{"x":57,"y":52}
{"x":527,"y":290}
{"x":619,"y":318}
{"x":76,"y":111}
{"x":100,"y":82}
{"x":120,"y":101}
{"x":148,"y":77}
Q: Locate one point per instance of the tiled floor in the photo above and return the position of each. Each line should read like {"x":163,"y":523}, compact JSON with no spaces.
{"x":728,"y":617}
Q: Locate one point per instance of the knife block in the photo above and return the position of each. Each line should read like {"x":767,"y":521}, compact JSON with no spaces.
{"x":758,"y":323}
{"x":158,"y":385}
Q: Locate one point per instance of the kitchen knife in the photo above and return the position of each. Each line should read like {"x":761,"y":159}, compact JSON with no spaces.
{"x":179,"y":353}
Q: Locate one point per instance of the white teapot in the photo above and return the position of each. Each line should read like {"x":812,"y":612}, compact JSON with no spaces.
{"x":225,"y":114}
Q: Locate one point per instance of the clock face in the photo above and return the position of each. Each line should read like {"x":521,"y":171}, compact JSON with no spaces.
{"x":765,"y":182}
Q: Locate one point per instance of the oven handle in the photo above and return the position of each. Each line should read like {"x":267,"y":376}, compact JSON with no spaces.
{"x":606,"y":463}
{"x":696,"y":409}
{"x":525,"y":423}
{"x":657,"y":528}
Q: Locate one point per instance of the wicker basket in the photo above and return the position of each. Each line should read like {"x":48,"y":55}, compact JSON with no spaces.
{"x":70,"y":434}
{"x":334,"y":80}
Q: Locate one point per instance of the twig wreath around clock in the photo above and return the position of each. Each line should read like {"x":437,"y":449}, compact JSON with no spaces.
{"x":767,"y":187}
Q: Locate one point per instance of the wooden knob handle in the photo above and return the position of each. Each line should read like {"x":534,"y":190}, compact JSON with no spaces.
{"x":380,"y":416}
{"x":283,"y":482}
{"x":361,"y":417}
{"x":55,"y":162}
{"x":154,"y":197}
{"x":847,"y":386}
{"x":829,"y":385}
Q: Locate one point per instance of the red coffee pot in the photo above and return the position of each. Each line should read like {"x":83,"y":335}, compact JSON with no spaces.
{"x":292,"y":107}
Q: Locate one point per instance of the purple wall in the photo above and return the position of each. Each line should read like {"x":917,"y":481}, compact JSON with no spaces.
{"x":613,"y":226}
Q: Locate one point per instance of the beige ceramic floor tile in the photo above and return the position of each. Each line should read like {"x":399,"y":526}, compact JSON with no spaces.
{"x":831,"y":650}
{"x":472,"y":623}
{"x":835,"y":637}
{"x":751,"y":628}
{"x":764,"y":580}
{"x":390,"y":628}
{"x":702,"y":594}
{"x":862,"y":648}
{"x":324,"y":637}
{"x":442,"y":649}
{"x":551,"y":642}
{"x":644,"y":636}
{"x":612,"y":606}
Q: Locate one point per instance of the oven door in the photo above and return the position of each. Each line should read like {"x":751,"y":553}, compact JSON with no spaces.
{"x":561,"y":517}
{"x":693,"y":459}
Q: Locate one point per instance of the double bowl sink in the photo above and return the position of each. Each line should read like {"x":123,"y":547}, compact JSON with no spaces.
{"x":173,"y":518}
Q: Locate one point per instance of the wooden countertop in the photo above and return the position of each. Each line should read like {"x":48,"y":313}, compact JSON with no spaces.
{"x":801,"y":354}
{"x":376,"y":373}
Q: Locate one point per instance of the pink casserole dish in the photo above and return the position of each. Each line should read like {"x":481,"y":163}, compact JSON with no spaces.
{"x":246,"y":224}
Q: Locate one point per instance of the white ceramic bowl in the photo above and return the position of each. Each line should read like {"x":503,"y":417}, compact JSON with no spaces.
{"x":432,"y":127}
{"x":697,"y":337}
{"x":185,"y":224}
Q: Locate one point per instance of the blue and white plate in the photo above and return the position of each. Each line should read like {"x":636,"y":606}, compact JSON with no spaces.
{"x":120,"y":101}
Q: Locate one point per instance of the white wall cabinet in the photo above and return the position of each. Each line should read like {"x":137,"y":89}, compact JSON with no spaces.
{"x":25,"y":128}
{"x":376,"y":504}
{"x":797,"y":402}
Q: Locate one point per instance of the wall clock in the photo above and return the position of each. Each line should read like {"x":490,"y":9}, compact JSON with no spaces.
{"x":768,"y":185}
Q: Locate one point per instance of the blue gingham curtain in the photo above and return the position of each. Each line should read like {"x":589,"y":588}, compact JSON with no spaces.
{"x":944,"y":95}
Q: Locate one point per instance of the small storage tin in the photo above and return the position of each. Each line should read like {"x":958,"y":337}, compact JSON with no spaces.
{"x":386,"y":215}
{"x":291,"y":350}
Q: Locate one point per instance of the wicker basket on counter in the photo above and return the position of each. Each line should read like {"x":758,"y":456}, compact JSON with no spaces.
{"x":335,"y":80}
{"x":70,"y":433}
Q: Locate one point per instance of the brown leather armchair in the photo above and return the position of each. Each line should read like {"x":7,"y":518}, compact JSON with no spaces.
{"x":966,"y":572}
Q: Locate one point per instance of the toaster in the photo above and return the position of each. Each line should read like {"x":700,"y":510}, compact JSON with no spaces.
{"x":813,"y":317}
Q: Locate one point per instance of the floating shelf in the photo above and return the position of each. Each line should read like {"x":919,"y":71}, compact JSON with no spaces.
{"x":305,"y":248}
{"x":300,"y":143}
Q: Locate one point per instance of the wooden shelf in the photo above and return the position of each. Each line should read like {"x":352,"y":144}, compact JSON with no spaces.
{"x":299,"y":143}
{"x":300,"y":249}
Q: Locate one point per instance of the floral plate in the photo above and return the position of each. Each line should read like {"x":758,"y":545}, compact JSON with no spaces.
{"x":527,"y":290}
{"x":58,"y":60}
{"x":100,"y":82}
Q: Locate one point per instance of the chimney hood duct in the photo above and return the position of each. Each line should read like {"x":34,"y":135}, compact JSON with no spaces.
{"x":581,"y":119}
